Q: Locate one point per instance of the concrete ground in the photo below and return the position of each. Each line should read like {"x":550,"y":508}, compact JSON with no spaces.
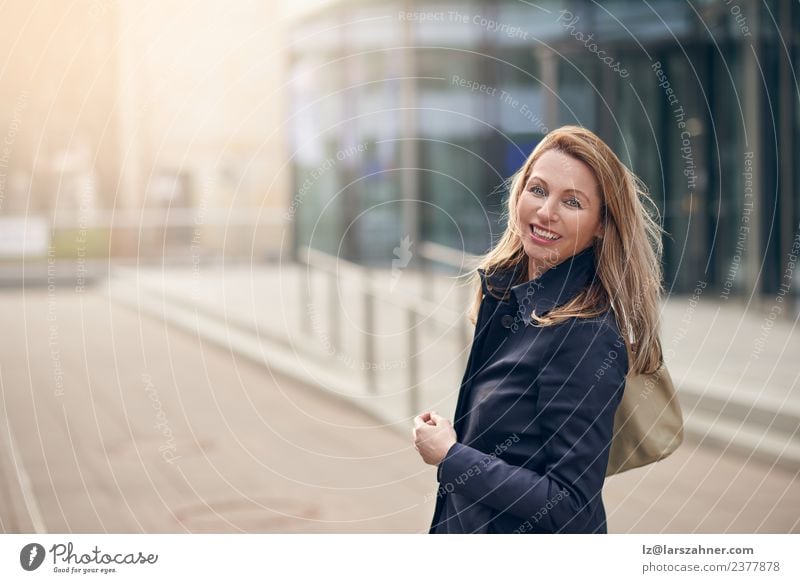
{"x":116,"y":422}
{"x":127,"y":416}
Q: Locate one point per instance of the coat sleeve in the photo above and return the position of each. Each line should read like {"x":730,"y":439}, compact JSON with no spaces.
{"x":580,"y":387}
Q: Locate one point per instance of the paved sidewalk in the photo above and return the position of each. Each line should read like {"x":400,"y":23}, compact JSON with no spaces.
{"x":732,"y":365}
{"x":715,"y":483}
{"x":89,"y":387}
{"x":113,"y":421}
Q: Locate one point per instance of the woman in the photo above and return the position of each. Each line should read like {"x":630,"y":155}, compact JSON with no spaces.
{"x":578,"y":262}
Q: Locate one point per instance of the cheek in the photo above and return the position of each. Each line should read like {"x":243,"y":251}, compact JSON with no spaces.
{"x":521,"y":211}
{"x":525,"y":206}
{"x":584,"y":226}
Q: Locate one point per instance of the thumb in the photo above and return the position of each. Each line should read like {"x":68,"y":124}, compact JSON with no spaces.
{"x":418,"y":421}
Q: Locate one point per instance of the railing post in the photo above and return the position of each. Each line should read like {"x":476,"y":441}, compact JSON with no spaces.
{"x":424,"y":268}
{"x":427,"y":279}
{"x":334,"y":321}
{"x":369,"y":334}
{"x":413,"y":363}
{"x":304,"y":267}
{"x":427,"y":286}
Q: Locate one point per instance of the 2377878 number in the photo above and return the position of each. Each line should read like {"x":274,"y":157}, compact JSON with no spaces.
{"x":755,"y":566}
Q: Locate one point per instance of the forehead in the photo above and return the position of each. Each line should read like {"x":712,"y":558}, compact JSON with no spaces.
{"x":562,"y":171}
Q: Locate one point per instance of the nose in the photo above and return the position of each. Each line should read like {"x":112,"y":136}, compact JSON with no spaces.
{"x":548,"y":211}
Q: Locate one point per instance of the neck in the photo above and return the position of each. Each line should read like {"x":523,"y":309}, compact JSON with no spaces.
{"x":536,"y":269}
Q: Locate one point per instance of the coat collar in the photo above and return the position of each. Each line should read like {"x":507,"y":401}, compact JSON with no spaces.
{"x":554,"y":287}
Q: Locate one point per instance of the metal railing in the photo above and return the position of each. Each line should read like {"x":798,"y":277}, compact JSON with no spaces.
{"x":416,"y":309}
{"x":457,"y":260}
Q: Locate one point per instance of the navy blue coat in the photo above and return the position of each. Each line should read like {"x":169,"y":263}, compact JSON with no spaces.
{"x":535,"y":411}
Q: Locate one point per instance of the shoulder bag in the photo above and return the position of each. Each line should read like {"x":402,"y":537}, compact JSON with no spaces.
{"x":648,"y":425}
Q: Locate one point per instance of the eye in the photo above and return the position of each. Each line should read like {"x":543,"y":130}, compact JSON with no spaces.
{"x":537,"y":190}
{"x":576,"y":205}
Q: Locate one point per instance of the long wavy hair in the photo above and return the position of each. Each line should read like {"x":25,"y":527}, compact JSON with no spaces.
{"x":629,"y":273}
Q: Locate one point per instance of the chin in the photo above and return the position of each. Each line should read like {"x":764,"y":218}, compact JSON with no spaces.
{"x":549,"y":255}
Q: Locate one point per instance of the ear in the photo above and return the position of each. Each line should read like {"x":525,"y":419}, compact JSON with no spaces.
{"x":601,"y":231}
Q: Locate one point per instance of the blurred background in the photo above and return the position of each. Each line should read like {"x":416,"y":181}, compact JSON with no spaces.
{"x":233,"y":235}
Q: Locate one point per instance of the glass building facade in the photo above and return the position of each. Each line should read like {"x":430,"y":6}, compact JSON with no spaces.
{"x":407,"y":117}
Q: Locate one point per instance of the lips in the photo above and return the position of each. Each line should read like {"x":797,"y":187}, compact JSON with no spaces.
{"x":543,"y":233}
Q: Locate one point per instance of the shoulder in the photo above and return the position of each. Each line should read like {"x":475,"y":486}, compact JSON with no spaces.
{"x":603,"y":326}
{"x":593,"y":341}
{"x":586,"y":364}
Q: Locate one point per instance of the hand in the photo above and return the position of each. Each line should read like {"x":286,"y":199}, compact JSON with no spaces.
{"x":433,"y":437}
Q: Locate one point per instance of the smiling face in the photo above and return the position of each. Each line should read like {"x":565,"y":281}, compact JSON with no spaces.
{"x":559,"y":211}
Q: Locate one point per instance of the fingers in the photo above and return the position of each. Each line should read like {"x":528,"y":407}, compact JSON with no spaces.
{"x":420,"y":420}
{"x":438,"y":419}
{"x":424,"y":418}
{"x":430,"y":418}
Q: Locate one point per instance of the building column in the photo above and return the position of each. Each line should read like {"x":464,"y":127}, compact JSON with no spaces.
{"x":409,"y":147}
{"x":549,"y":68}
{"x":752,"y":90}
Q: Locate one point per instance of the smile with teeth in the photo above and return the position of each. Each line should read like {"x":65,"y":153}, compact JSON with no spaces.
{"x":539,"y":232}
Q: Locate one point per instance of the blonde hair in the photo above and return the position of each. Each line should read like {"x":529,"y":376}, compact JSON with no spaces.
{"x":628,"y":256}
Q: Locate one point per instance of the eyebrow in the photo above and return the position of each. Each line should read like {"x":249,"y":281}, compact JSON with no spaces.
{"x":542,"y":180}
